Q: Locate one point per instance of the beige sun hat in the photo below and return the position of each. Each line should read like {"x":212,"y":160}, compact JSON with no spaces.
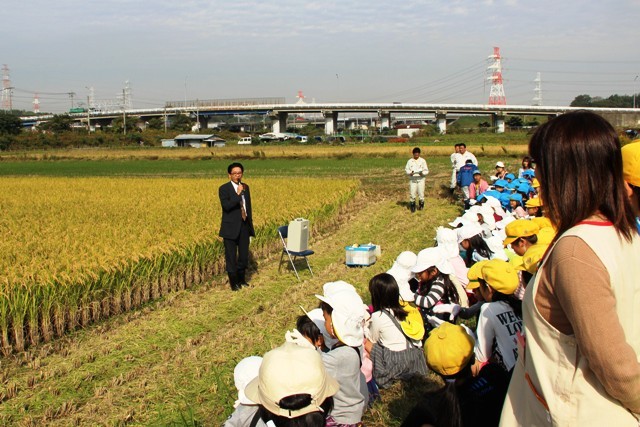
{"x":288,"y":370}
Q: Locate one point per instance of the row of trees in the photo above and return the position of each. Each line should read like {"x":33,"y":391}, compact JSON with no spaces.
{"x":614,"y":101}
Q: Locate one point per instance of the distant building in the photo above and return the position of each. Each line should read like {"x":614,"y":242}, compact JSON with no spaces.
{"x":409,"y":130}
{"x":198,"y":141}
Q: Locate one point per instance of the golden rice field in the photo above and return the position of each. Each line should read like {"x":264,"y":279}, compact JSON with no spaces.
{"x":261,"y":152}
{"x":75,"y":250}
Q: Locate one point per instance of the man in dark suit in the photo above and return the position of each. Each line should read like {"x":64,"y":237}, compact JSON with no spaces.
{"x":237,"y":225}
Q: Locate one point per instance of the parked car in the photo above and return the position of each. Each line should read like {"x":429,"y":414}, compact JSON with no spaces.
{"x":247,"y":140}
{"x":302,"y":138}
{"x":273,"y":136}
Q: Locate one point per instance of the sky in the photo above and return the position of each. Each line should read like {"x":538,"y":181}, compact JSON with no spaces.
{"x":428,"y":51}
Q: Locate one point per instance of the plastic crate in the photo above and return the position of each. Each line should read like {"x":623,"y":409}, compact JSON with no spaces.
{"x":360,"y":256}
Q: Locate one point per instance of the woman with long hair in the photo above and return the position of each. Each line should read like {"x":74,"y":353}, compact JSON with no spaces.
{"x":394,"y":354}
{"x":579,"y":364}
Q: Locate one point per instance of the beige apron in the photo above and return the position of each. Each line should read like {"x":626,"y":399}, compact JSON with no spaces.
{"x":553,"y":385}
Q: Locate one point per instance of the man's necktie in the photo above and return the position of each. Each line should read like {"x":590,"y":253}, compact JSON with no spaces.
{"x":243,"y":212}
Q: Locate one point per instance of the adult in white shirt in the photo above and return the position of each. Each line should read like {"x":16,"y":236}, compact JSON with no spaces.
{"x":455,"y":161}
{"x":464,"y":156}
{"x":416,"y":169}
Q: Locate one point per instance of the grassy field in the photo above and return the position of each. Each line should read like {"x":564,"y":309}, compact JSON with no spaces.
{"x":171,"y":361}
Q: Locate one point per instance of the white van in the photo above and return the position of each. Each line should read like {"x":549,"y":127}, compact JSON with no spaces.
{"x":245,"y":141}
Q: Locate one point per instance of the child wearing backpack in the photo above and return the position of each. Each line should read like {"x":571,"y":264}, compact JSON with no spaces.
{"x":395,"y":355}
{"x":345,"y":316}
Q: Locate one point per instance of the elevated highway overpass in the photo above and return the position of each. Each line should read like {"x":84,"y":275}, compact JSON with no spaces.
{"x":383,"y":112}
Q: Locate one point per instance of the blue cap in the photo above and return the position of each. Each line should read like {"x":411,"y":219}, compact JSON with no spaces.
{"x":523,"y":188}
{"x":529,"y":172}
{"x":500,"y":183}
{"x":510,"y":176}
{"x":504,"y":199}
{"x":516,"y":196}
{"x":512,"y":185}
{"x":492,"y":193}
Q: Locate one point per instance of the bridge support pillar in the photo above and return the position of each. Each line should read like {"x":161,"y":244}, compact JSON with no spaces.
{"x":280,"y":123}
{"x":330,"y":122}
{"x":441,"y":122}
{"x":498,"y":123}
{"x":385,"y":119}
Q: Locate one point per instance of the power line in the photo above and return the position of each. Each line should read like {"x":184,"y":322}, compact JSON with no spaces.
{"x":572,"y":61}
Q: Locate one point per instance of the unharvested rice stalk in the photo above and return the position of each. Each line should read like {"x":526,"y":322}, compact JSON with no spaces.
{"x":90,"y":273}
{"x":136,"y":295}
{"x":19,"y":299}
{"x":5,"y":344}
{"x":116,"y":302}
{"x":146,"y":292}
{"x":45,"y":312}
{"x":106,"y":307}
{"x":46,"y":327}
{"x":72,"y":318}
{"x":95,"y":310}
{"x":59,"y":319}
{"x":126,"y":299}
{"x":155,"y":289}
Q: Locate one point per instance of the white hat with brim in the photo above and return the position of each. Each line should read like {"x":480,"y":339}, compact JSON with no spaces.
{"x":458,"y":221}
{"x":244,"y":372}
{"x":317,"y":318}
{"x":432,"y":257}
{"x":471,"y":216}
{"x":468,"y":231}
{"x":348,"y":316}
{"x":447,"y":241}
{"x":289,"y":370}
{"x":337,"y":286}
{"x":401,"y":272}
{"x":487,"y":216}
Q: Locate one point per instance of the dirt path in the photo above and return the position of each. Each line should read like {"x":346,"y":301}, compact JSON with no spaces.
{"x":173,"y":360}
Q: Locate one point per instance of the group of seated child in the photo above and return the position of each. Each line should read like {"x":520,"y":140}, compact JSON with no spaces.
{"x":512,"y":192}
{"x":334,"y":362}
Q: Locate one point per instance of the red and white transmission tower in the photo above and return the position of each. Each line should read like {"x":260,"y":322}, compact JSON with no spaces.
{"x":300,"y":98}
{"x":496,"y":95}
{"x":36,"y":103}
{"x":6,"y":89}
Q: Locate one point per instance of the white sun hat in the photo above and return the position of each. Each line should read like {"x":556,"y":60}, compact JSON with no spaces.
{"x":348,"y":316}
{"x":317,"y":318}
{"x":244,"y":372}
{"x":468,"y":231}
{"x":401,"y":272}
{"x":432,"y":257}
{"x":447,"y":240}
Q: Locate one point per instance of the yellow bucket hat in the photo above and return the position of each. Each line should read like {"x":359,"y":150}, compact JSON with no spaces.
{"x":520,"y":228}
{"x":474,"y":274}
{"x":449,"y":349}
{"x":546,"y":235}
{"x":533,"y":256}
{"x":501,"y":276}
{"x":534,"y":202}
{"x":631,"y":163}
{"x":542,"y":222}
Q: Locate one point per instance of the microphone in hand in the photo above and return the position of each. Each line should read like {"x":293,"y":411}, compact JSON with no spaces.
{"x":240,"y":187}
